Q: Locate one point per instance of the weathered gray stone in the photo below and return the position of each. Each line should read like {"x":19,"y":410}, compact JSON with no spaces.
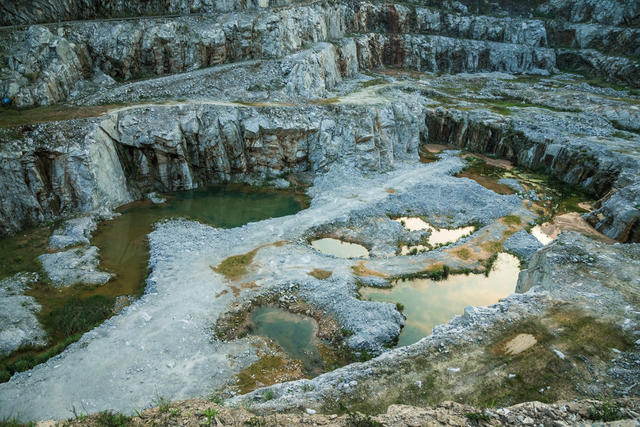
{"x":73,"y":232}
{"x":19,"y":327}
{"x":75,"y":266}
{"x":523,"y":244}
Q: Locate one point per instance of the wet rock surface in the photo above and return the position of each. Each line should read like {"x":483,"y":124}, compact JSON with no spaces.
{"x":75,"y":266}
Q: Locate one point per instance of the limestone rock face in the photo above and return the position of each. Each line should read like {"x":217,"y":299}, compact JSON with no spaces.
{"x":397,"y":18}
{"x":450,"y":55}
{"x":22,"y":12}
{"x":619,"y":214}
{"x":609,"y":12}
{"x":43,"y":68}
{"x":52,"y":170}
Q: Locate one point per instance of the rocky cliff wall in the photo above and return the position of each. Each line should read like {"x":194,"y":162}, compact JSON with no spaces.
{"x":45,"y":67}
{"x":450,"y":55}
{"x":63,"y":167}
{"x":25,"y":12}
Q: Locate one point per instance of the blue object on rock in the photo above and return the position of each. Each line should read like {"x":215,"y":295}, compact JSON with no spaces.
{"x":6,"y":100}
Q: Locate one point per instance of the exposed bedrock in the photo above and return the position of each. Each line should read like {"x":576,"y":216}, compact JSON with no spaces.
{"x":614,"y":40}
{"x":611,"y":68}
{"x":399,"y":18}
{"x":608,"y":12}
{"x":45,"y":67}
{"x":579,"y":161}
{"x":55,"y":170}
{"x":21,"y":12}
{"x":450,"y":55}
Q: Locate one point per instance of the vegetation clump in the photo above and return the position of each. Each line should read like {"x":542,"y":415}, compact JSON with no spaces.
{"x":235,"y":266}
{"x":320,"y":274}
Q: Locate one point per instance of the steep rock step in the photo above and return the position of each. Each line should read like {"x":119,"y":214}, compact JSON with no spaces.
{"x":450,"y":55}
{"x":609,"y":39}
{"x":112,"y":160}
{"x":596,"y":169}
{"x":400,"y":18}
{"x":27,"y":12}
{"x":615,"y":69}
{"x":608,"y":12}
{"x":45,"y":66}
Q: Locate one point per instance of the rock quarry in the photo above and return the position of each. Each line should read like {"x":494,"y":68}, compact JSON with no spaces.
{"x":510,"y":118}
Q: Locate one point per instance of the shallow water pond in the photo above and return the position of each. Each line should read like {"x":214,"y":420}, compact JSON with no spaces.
{"x":123,"y":240}
{"x":428,"y":303}
{"x":340,"y":249}
{"x":438,"y":236}
{"x":124,"y":251}
{"x":293,"y":332}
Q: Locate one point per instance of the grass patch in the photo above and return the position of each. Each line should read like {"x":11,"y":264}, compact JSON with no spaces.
{"x":463,"y":253}
{"x":18,"y":253}
{"x":235,"y":266}
{"x":512,"y":220}
{"x":65,"y":325}
{"x":373,"y":82}
{"x":112,"y":419}
{"x":10,"y":117}
{"x":79,"y":315}
{"x":320,"y":274}
{"x":360,"y":270}
{"x":325,"y":101}
{"x":268,"y":371}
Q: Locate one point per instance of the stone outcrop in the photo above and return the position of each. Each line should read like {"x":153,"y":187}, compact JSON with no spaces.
{"x":19,"y":325}
{"x":450,"y":55}
{"x":44,"y":67}
{"x":75,"y":266}
{"x":54,"y":170}
{"x":24,"y":12}
{"x":168,"y":148}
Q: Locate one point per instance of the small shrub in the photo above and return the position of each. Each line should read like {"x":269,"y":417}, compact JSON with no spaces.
{"x":112,"y":419}
{"x":400,"y":307}
{"x":478,"y":416}
{"x":162,"y":403}
{"x":355,"y":419}
{"x":210,"y":413}
{"x":606,"y":411}
{"x":268,"y":395}
{"x":255,"y":422}
{"x":215,"y":399}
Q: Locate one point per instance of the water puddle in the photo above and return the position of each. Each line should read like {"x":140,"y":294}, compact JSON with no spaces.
{"x":438,"y":237}
{"x":542,"y":237}
{"x":572,"y":221}
{"x":293,"y":332}
{"x":123,"y":240}
{"x":428,"y":303}
{"x":340,"y":249}
{"x":124,"y":250}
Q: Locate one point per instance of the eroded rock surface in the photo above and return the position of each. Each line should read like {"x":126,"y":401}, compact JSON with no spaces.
{"x":349,"y":95}
{"x":19,"y":326}
{"x":74,"y":266}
